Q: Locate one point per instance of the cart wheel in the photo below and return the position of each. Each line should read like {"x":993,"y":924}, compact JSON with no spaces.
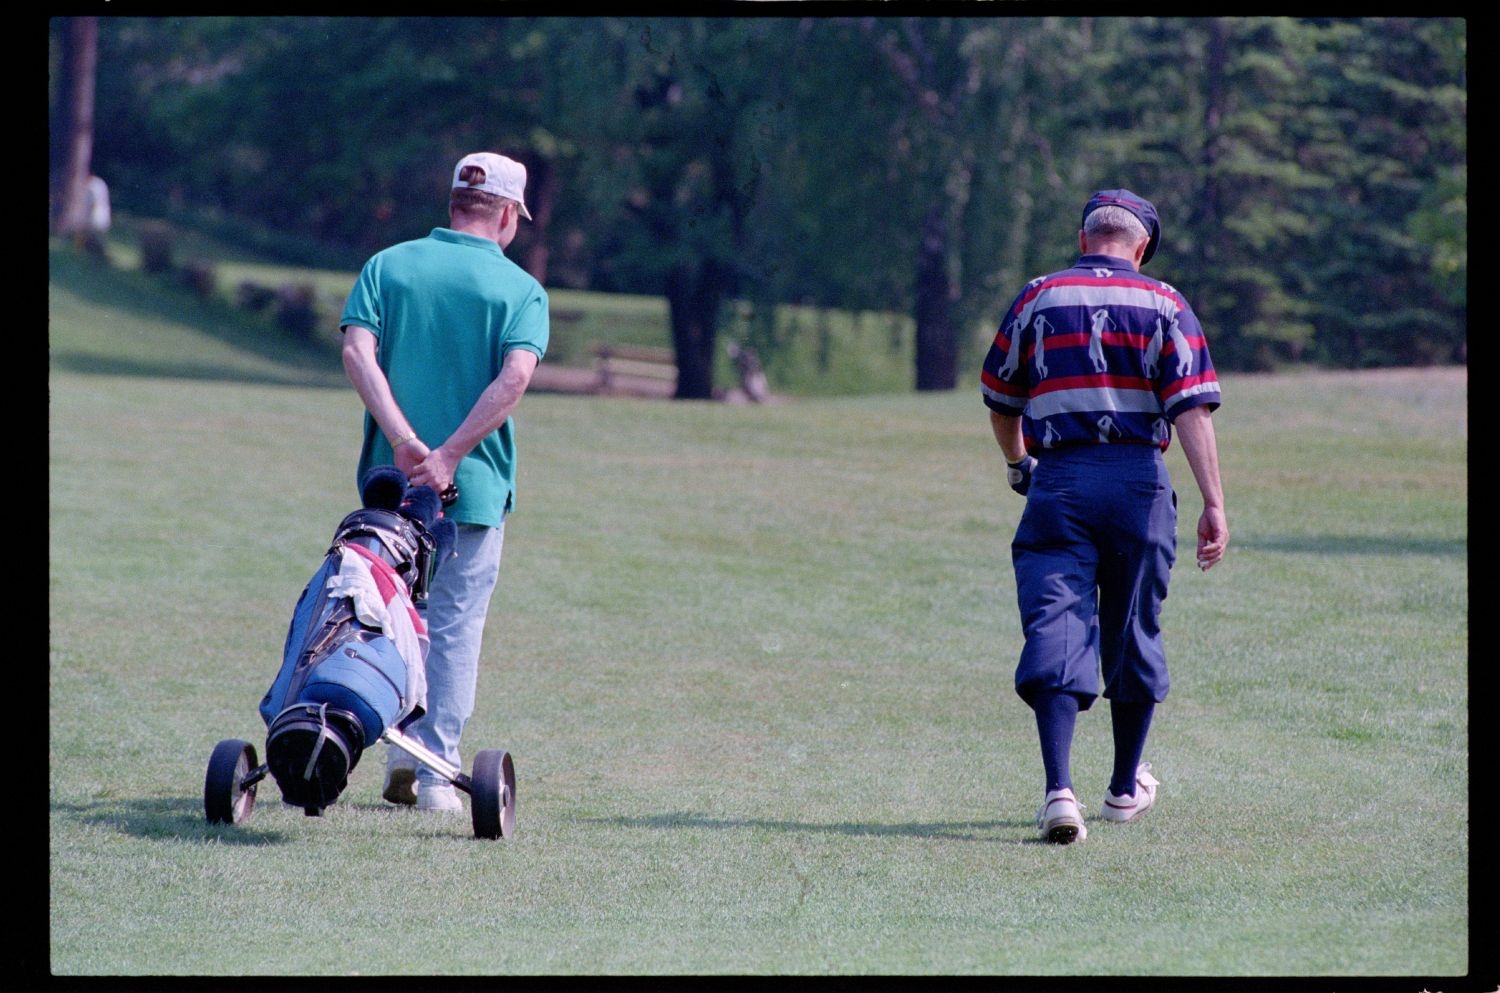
{"x":492,"y":800}
{"x":225,"y":800}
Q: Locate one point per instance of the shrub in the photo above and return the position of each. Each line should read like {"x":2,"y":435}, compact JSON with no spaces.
{"x":156,"y":247}
{"x":253,"y":296}
{"x":201,"y":277}
{"x":296,"y":309}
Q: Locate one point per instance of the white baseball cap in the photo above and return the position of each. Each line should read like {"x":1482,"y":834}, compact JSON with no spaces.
{"x":499,"y":175}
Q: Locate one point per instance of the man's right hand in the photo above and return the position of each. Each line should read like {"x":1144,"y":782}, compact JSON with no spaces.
{"x":437,"y":470}
{"x":1018,"y":474}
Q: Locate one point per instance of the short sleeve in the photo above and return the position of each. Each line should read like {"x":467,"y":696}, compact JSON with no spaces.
{"x":1004,"y":379}
{"x":532,"y":328}
{"x":363,"y":305}
{"x":1186,"y":378}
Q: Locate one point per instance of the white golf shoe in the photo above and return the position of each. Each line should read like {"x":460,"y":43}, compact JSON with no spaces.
{"x":1061,"y":818}
{"x":1128,"y":808}
{"x":439,"y":797}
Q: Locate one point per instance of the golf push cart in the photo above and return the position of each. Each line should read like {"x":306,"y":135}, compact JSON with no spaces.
{"x":354,"y":669}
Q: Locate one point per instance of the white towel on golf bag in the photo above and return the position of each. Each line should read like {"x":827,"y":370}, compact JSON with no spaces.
{"x":381,"y":600}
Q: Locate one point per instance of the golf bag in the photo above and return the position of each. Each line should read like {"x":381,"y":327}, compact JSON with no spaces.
{"x":354,"y":662}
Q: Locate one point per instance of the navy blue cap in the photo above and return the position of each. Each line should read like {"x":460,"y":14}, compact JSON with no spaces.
{"x":1139,"y":206}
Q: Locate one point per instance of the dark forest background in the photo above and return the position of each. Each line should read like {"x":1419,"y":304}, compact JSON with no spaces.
{"x":1311,"y":173}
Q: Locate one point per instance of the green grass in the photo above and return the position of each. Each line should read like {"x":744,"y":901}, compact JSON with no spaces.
{"x":755,"y":668}
{"x":123,"y":321}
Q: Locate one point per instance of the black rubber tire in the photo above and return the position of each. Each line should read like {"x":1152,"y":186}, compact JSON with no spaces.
{"x":226,"y":800}
{"x":492,"y":797}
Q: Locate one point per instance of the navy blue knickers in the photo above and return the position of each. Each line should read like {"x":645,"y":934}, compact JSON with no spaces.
{"x":1093,"y":554}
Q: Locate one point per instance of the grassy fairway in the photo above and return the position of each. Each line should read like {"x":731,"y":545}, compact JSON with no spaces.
{"x":754,"y":665}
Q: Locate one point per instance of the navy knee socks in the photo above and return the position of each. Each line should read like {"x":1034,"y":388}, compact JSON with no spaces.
{"x":1056,"y":714}
{"x":1131,"y":721}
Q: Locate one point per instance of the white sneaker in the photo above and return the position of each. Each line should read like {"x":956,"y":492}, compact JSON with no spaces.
{"x":1128,"y":808}
{"x":400,"y":777}
{"x":1061,"y":818}
{"x":439,"y":797}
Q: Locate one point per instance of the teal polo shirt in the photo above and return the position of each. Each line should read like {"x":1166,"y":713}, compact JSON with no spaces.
{"x":446,"y":310}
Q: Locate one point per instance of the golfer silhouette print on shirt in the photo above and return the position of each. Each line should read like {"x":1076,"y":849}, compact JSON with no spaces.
{"x":1106,"y":428}
{"x":1042,"y":327}
{"x":1102,"y":323}
{"x":1184,"y":350}
{"x":1012,"y":357}
{"x":1153,"y":351}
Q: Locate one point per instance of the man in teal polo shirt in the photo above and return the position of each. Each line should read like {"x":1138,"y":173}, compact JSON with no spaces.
{"x":441,"y":337}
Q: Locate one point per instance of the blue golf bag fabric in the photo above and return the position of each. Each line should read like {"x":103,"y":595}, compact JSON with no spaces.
{"x":312,"y":605}
{"x":363,"y":678}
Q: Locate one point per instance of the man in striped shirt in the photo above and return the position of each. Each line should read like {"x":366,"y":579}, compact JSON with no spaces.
{"x":1091,"y":370}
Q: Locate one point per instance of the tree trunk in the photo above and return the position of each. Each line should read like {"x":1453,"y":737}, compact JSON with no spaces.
{"x":542,"y":193}
{"x":70,"y":190}
{"x":937,"y":346}
{"x":693,"y":296}
{"x":1215,"y":70}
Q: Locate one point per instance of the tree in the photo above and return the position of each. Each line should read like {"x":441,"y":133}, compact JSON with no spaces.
{"x":1258,"y":176}
{"x":1390,"y":280}
{"x":985,"y":143}
{"x":1288,"y":158}
{"x":73,"y":124}
{"x":927,"y":58}
{"x":1311,"y":173}
{"x":1199,"y":115}
{"x":215,"y":112}
{"x":1044,"y":129}
{"x":675,"y":158}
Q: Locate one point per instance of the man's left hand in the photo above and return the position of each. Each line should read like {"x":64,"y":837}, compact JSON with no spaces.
{"x":410,"y":455}
{"x":1018,"y":474}
{"x":1213,"y":537}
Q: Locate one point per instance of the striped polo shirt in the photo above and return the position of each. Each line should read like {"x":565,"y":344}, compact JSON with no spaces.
{"x":1098,"y":355}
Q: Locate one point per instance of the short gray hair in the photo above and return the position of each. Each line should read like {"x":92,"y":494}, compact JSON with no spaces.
{"x":1114,"y":222}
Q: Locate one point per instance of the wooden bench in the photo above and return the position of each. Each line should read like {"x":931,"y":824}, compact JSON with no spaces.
{"x":615,"y":363}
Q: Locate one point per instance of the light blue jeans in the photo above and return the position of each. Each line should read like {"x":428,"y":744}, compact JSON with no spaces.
{"x":456,"y":608}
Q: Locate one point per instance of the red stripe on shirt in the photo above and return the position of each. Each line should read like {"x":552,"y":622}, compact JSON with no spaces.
{"x":1106,"y":381}
{"x":1081,"y":340}
{"x":1188,"y":382}
{"x":999,"y":385}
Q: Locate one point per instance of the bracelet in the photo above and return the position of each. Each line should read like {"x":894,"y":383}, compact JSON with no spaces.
{"x":410,"y":436}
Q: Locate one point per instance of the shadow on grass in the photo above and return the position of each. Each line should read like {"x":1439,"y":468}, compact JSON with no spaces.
{"x":101,"y":366}
{"x":171,"y":818}
{"x":154,"y":300}
{"x":1356,"y":545}
{"x":954,"y":830}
